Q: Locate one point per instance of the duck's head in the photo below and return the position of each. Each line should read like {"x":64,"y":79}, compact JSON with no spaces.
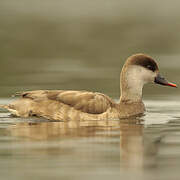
{"x":140,"y":69}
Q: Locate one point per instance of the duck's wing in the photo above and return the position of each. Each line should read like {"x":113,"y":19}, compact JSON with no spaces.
{"x":88,"y":102}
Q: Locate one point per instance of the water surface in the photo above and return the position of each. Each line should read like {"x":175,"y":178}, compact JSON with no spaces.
{"x":147,"y":147}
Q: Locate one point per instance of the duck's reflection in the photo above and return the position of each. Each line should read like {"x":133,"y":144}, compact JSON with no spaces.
{"x":126,"y":134}
{"x":131,"y":144}
{"x":49,"y":130}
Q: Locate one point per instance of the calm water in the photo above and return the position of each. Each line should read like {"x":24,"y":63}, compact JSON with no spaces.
{"x":146,"y":148}
{"x":81,"y":45}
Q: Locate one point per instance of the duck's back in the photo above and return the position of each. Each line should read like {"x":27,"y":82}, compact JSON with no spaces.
{"x":63,"y":105}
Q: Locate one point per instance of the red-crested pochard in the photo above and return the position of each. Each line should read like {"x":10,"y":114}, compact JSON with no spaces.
{"x":138,"y":70}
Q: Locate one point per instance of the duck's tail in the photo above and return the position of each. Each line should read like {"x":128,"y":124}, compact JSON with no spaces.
{"x":10,"y":109}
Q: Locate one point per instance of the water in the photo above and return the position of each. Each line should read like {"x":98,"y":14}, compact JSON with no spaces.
{"x":146,"y":148}
{"x":82,"y":45}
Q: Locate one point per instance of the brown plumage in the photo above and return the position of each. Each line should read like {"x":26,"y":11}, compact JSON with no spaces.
{"x":82,"y":105}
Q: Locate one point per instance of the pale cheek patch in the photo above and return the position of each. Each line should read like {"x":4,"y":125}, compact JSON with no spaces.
{"x":149,"y":76}
{"x":138,"y":75}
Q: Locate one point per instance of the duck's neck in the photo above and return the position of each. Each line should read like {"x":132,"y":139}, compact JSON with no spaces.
{"x":131,"y":86}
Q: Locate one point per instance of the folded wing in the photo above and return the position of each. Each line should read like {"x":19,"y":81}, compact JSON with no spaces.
{"x":88,"y":102}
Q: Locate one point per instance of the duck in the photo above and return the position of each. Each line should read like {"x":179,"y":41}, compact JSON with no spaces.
{"x":63,"y":105}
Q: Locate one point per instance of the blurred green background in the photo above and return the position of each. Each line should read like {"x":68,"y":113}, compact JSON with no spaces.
{"x":81,"y":44}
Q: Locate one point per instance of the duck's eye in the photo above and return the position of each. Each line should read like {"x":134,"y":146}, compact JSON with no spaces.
{"x":150,"y":67}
